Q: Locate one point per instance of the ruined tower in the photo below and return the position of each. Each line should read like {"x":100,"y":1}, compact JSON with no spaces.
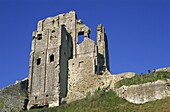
{"x":102,"y":45}
{"x":56,"y":53}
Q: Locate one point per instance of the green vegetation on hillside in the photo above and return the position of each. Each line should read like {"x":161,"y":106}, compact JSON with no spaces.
{"x":108,"y":102}
{"x":1,"y":102}
{"x":144,"y":78}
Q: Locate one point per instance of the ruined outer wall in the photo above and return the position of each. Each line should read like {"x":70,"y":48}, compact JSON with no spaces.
{"x":82,"y":82}
{"x":163,"y":69}
{"x":14,"y":97}
{"x":82,"y":69}
{"x":87,"y":48}
{"x":77,"y":76}
{"x":143,"y":93}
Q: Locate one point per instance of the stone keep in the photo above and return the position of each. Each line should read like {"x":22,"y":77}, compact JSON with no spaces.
{"x":57,"y":56}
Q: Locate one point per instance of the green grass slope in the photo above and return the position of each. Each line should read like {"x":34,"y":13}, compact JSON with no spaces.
{"x":144,"y":78}
{"x":108,"y":102}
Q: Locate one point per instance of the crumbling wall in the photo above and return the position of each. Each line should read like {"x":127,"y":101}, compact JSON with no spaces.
{"x":163,"y":69}
{"x":82,"y":82}
{"x":87,"y":48}
{"x":102,"y":50}
{"x":14,"y":97}
{"x":121,"y":76}
{"x":143,"y":93}
{"x":54,"y":46}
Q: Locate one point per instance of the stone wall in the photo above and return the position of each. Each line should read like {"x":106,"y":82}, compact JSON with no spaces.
{"x":14,"y":97}
{"x":52,"y":46}
{"x":82,"y":82}
{"x":163,"y":69}
{"x":87,"y":48}
{"x":56,"y":52}
{"x":65,"y":55}
{"x":121,"y":76}
{"x":143,"y":93}
{"x":102,"y":50}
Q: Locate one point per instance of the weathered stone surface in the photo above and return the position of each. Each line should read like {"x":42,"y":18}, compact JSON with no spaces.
{"x":14,"y":97}
{"x":81,"y":82}
{"x":58,"y":62}
{"x":163,"y":69}
{"x":62,"y":70}
{"x":143,"y":93}
{"x":121,"y":76}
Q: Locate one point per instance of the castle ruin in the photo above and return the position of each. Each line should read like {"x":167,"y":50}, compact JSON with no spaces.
{"x":58,"y":62}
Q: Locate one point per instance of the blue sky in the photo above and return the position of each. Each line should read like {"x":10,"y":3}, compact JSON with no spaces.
{"x":138,"y":32}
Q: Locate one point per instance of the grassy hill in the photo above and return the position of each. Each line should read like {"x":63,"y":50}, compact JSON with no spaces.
{"x":144,"y":78}
{"x":108,"y":102}
{"x":12,"y":97}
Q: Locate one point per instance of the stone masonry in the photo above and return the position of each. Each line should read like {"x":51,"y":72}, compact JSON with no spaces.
{"x":59,"y":64}
{"x":146,"y":92}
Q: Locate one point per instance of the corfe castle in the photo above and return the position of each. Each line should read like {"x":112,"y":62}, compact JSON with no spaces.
{"x":62,"y":70}
{"x":59,"y":67}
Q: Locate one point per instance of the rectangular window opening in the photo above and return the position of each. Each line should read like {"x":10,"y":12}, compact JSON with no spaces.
{"x":52,"y":58}
{"x":39,"y":36}
{"x":38,"y":61}
{"x":35,"y":99}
